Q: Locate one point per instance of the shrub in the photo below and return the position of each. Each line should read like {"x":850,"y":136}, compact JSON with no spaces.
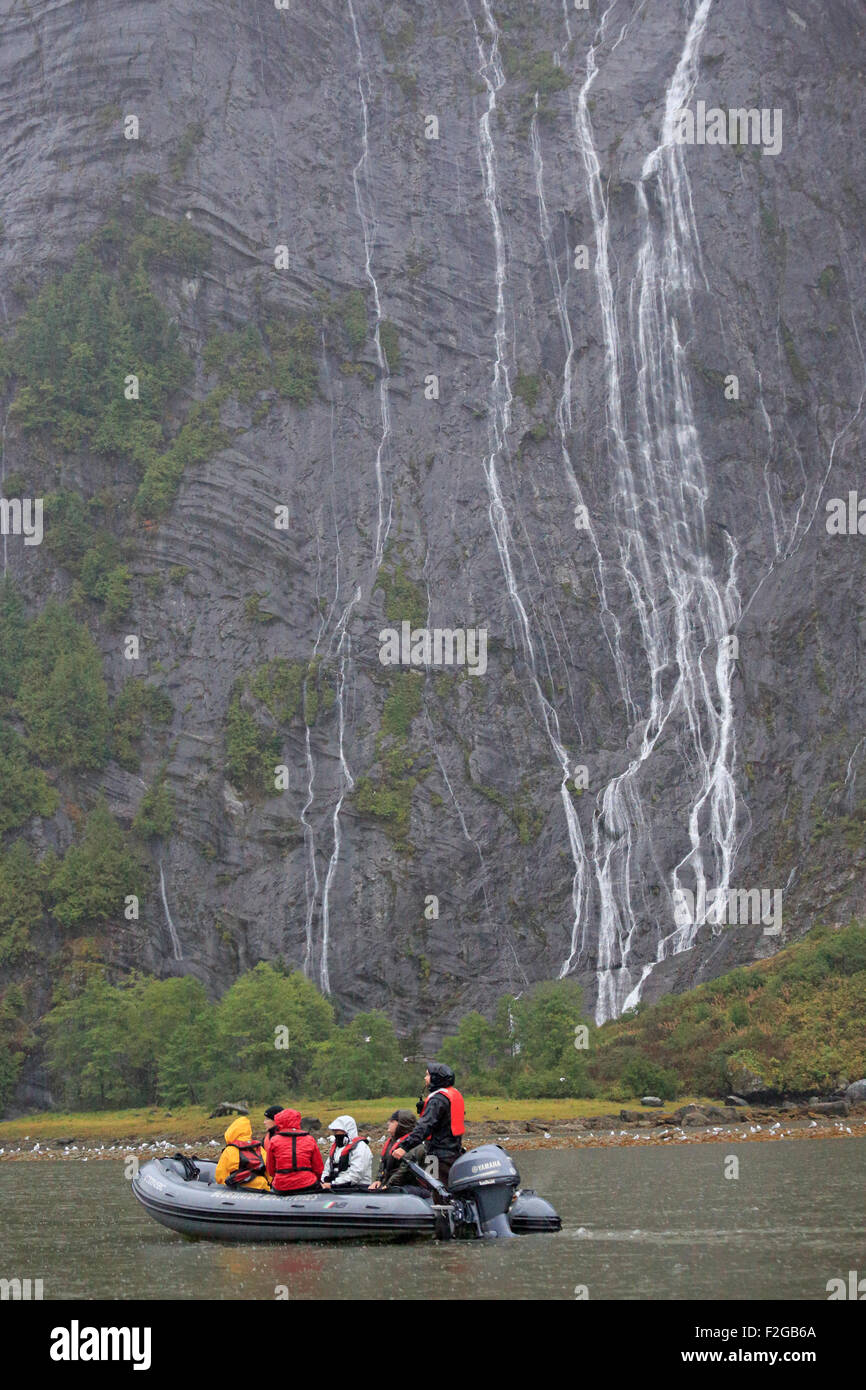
{"x":526,"y":388}
{"x":353,"y":315}
{"x":155,"y":815}
{"x":137,"y":705}
{"x":251,"y":751}
{"x":389,"y":340}
{"x":643,"y":1077}
{"x":279,"y":686}
{"x":403,"y":703}
{"x":192,"y":136}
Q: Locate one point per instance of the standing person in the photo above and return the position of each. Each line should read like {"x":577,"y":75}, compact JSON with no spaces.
{"x":241,"y":1163}
{"x":350,"y":1162}
{"x":441,"y":1125}
{"x":399,"y":1125}
{"x":293,"y":1159}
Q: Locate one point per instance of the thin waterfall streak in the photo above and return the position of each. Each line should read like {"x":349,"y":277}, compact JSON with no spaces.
{"x":175,"y":939}
{"x":610,"y":624}
{"x":347,"y":786}
{"x":311,"y":875}
{"x":500,"y":400}
{"x":366,"y":213}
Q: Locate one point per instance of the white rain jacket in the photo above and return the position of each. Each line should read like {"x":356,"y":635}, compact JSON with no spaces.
{"x":358,"y":1170}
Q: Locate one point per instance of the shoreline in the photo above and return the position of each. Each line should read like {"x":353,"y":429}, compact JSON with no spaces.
{"x":610,"y":1130}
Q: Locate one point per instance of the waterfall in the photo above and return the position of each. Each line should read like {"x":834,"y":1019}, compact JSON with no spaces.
{"x":347,"y":785}
{"x":366,"y":214}
{"x":311,"y":876}
{"x":338,"y":641}
{"x":683,"y":611}
{"x":175,"y":940}
{"x":564,"y":415}
{"x":499,"y":420}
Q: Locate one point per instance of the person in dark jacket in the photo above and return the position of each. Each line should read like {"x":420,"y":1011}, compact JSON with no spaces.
{"x":440,"y":1126}
{"x":294,"y":1163}
{"x":271,"y":1127}
{"x":400,"y":1124}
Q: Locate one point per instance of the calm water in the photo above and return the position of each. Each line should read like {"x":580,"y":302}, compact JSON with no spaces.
{"x":638,"y":1224}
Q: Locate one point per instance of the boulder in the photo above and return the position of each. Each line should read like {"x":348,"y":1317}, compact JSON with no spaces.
{"x":856,"y":1093}
{"x":651,"y":1100}
{"x":735,"y":1100}
{"x":694,"y":1118}
{"x":744,"y":1080}
{"x":684,"y":1110}
{"x":227,"y":1107}
{"x":830,"y":1107}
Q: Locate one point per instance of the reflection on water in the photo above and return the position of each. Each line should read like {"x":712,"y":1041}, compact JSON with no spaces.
{"x":638,"y":1223}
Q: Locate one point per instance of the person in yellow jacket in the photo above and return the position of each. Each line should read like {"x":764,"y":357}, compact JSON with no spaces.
{"x":241,"y":1163}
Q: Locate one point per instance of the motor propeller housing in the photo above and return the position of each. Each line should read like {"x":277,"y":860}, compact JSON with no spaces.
{"x":488,"y":1179}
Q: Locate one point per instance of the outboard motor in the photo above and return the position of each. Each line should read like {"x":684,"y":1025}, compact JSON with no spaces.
{"x":486,"y":1179}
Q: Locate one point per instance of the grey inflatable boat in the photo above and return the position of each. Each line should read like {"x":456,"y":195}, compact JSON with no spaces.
{"x":483,"y":1199}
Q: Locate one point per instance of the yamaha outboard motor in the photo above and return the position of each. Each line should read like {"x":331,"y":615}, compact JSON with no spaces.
{"x":486,"y":1180}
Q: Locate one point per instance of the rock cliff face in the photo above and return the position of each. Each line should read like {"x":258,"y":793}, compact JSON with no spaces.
{"x":524,"y":423}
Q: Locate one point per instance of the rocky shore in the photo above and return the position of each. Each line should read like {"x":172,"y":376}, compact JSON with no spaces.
{"x":690,"y":1124}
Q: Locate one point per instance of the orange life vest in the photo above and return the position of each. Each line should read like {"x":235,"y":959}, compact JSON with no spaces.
{"x":458,"y":1108}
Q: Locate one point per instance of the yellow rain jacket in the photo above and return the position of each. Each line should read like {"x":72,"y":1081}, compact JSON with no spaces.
{"x":240,"y":1132}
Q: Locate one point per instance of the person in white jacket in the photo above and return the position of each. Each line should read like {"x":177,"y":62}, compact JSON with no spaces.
{"x":350,"y":1162}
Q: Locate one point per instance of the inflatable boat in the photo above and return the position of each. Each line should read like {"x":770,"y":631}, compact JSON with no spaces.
{"x":483,"y":1200}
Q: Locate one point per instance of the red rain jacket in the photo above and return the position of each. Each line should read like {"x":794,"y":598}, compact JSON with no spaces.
{"x":293,"y":1158}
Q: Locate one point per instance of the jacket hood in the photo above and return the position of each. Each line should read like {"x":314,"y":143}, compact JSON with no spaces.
{"x":405,"y":1121}
{"x":346,"y":1124}
{"x":441,"y":1075}
{"x":288,"y":1119}
{"x":239,"y":1131}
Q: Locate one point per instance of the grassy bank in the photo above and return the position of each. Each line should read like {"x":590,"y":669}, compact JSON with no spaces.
{"x":191,"y":1123}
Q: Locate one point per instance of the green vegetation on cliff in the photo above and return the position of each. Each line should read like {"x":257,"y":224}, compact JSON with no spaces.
{"x":387,"y":792}
{"x":795,"y":1020}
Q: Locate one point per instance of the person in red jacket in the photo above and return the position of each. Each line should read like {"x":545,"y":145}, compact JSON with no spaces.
{"x":293,"y":1160}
